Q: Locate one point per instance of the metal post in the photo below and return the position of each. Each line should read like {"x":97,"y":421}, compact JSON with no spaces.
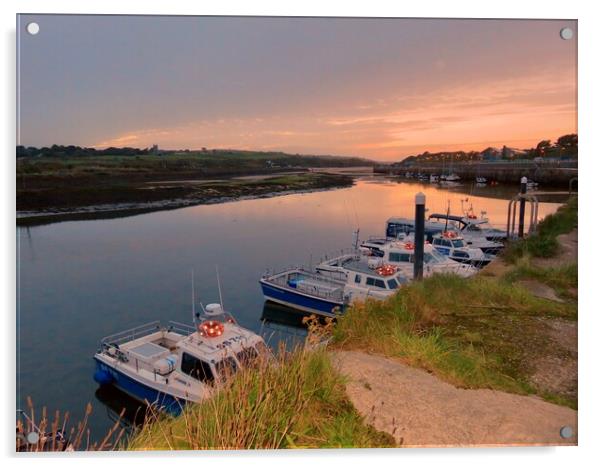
{"x":419,"y":237}
{"x":521,"y":211}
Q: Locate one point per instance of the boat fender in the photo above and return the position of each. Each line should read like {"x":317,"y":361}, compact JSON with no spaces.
{"x":103,"y":377}
{"x":374,"y":263}
{"x":166,"y":365}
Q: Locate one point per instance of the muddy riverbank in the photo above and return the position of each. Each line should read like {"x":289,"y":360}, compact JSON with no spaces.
{"x":58,"y":203}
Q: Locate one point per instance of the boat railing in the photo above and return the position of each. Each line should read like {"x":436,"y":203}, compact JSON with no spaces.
{"x":376,"y":238}
{"x":335,"y":293}
{"x":341,"y":253}
{"x":178,"y":327}
{"x":124,"y":336}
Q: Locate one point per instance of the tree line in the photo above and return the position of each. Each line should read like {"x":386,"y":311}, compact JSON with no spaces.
{"x":565,"y":147}
{"x":77,"y":151}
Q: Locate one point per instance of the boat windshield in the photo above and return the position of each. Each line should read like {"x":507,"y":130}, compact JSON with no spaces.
{"x":392,"y":284}
{"x":247,"y":357}
{"x":458,"y":243}
{"x":225,"y":368}
{"x":433,"y":257}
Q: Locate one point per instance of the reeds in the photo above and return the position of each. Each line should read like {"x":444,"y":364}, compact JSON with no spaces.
{"x":43,"y":434}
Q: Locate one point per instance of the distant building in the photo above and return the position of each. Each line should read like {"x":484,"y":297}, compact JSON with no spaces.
{"x":155,"y":149}
{"x":491,"y":153}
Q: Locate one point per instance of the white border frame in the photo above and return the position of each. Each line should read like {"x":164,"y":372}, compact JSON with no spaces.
{"x":590,"y":78}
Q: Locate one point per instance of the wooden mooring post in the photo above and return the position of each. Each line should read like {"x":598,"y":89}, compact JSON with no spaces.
{"x":521,"y":208}
{"x":419,"y":236}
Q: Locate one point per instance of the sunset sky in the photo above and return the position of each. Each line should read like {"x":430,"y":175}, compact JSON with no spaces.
{"x":378,"y":88}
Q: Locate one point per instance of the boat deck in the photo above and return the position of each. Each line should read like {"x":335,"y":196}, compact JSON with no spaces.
{"x":311,"y":284}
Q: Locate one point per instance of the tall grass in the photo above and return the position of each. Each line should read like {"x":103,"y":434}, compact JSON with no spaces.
{"x":297,"y":402}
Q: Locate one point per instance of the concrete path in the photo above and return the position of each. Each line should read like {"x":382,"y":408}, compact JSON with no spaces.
{"x":418,"y":409}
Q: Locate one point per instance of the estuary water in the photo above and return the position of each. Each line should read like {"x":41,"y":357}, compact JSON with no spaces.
{"x":81,"y":280}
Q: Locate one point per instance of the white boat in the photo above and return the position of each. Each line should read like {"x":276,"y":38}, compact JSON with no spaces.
{"x":330,"y":289}
{"x":453,"y":245}
{"x":481,"y":180}
{"x":400,"y":227}
{"x":169,"y":366}
{"x":476,"y":231}
{"x":434,"y":179}
{"x":450,"y":177}
{"x":396,"y":253}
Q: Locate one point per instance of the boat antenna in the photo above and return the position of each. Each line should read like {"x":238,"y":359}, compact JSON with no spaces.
{"x":192,"y":288}
{"x":219,"y":288}
{"x":356,"y":238}
{"x":447,"y":216}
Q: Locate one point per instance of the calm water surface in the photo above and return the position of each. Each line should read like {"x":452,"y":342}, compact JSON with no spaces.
{"x":79,"y":281}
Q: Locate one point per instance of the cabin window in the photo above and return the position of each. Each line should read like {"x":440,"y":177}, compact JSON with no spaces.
{"x":446,"y":243}
{"x":225,"y":368}
{"x":375,"y":282}
{"x":247,"y":356}
{"x":395,"y":229}
{"x":194,"y":367}
{"x":461,"y":254}
{"x":358,"y":278}
{"x":400,"y":257}
{"x":458,"y":243}
{"x":392,"y":283}
{"x":437,"y":241}
{"x":262,"y":350}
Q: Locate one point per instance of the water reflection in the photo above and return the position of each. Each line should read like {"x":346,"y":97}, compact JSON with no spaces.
{"x":121,"y":408}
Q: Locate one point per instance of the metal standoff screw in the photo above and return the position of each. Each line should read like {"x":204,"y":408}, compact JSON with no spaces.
{"x":566,"y":432}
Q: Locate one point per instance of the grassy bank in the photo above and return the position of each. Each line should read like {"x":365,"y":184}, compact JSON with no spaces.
{"x":490,"y":331}
{"x":475,"y":333}
{"x":298,"y":403}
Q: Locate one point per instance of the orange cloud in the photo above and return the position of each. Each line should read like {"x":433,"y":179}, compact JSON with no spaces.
{"x":518,"y":111}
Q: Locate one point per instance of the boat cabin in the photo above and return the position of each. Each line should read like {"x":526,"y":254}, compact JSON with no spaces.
{"x":469,"y":225}
{"x":400,"y":227}
{"x":402,"y":252}
{"x":376,"y":276}
{"x":454,"y":246}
